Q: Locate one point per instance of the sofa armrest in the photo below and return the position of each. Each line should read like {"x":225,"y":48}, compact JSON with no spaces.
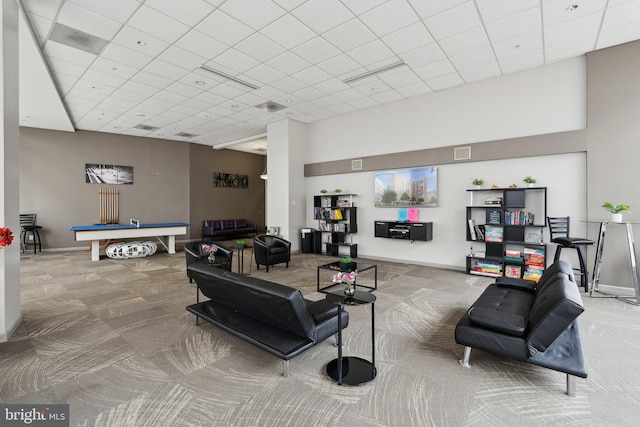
{"x":515,"y":283}
{"x":506,"y":323}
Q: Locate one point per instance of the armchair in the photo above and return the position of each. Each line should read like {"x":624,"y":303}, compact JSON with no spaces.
{"x":194,"y":251}
{"x":270,"y":250}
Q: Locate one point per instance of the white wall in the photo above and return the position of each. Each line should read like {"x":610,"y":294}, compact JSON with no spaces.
{"x":544,"y":100}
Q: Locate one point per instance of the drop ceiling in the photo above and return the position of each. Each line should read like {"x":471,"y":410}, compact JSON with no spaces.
{"x":140,"y":67}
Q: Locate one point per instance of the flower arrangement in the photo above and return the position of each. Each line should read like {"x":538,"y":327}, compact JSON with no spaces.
{"x":212,"y":252}
{"x":348,"y":279}
{"x":6,"y":237}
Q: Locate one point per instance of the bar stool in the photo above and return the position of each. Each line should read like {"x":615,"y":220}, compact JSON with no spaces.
{"x":559,"y":231}
{"x":28,"y":228}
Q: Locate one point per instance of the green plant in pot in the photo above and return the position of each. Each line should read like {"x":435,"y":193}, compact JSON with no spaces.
{"x":529,"y":180}
{"x":337,"y":191}
{"x":477,"y":182}
{"x":346,"y":263}
{"x":323,"y":191}
{"x":615,"y":210}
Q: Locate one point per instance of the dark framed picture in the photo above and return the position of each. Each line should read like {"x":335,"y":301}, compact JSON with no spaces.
{"x":230,"y":180}
{"x":96,"y":173}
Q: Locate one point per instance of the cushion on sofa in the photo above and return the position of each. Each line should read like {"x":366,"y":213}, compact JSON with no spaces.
{"x":515,"y":283}
{"x":228,"y":224}
{"x":556,"y":306}
{"x":506,"y":323}
{"x":241,"y":223}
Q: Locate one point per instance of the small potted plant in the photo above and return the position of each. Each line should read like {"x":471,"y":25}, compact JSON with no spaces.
{"x":337,"y":191}
{"x":615,"y":210}
{"x":323,"y":191}
{"x":529,"y":180}
{"x":347,"y":264}
{"x":477,"y":182}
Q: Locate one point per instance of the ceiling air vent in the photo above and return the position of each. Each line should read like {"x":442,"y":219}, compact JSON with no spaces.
{"x":186,"y":135}
{"x":462,"y":153}
{"x":356,"y":165}
{"x":77,"y":39}
{"x":146,"y":127}
{"x":270,"y":107}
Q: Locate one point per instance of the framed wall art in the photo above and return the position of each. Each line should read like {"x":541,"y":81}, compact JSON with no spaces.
{"x":108,"y":174}
{"x":406,"y":188}
{"x":230,"y":180}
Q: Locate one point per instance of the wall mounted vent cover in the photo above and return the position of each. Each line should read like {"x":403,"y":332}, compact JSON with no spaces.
{"x":186,"y":135}
{"x":270,"y":107}
{"x":356,"y":165}
{"x":462,"y":153}
{"x":146,"y":127}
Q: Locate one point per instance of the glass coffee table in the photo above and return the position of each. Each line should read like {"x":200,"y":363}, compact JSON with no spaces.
{"x":360,"y":267}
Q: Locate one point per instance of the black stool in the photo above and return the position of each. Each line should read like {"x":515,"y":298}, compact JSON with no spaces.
{"x":28,"y":228}
{"x":559,"y":230}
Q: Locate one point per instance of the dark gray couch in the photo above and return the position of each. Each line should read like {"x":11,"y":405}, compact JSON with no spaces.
{"x":529,"y":322}
{"x":271,"y":316}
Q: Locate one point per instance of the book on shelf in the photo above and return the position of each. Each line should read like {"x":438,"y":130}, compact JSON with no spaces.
{"x":494,"y":216}
{"x":514,"y":271}
{"x":478,"y":254}
{"x":493,"y":234}
{"x":512,"y":253}
{"x":487,"y":268}
{"x":472,"y":229}
{"x":512,"y":259}
{"x":479,"y":231}
{"x":518,"y":217}
{"x":493,"y":201}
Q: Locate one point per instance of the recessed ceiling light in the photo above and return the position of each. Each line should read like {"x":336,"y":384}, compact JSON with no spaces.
{"x":114,"y":68}
{"x":571,"y":8}
{"x":141,"y":115}
{"x":141,"y":43}
{"x":95,"y":87}
{"x":517,"y":46}
{"x":117,"y":127}
{"x":246,"y":126}
{"x":199,"y":82}
{"x":235,"y":106}
{"x":288,"y":101}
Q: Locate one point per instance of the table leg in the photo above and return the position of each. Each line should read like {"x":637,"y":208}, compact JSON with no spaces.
{"x":95,"y":250}
{"x":373,"y":340}
{"x":634,"y":267}
{"x":340,"y":344}
{"x":598,"y":261}
{"x":171,"y":244}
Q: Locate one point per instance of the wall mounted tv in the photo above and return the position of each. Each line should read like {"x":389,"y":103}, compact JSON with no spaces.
{"x":406,"y":188}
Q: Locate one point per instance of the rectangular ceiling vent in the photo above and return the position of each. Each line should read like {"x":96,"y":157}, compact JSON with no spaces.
{"x":462,"y":153}
{"x":77,"y":39}
{"x":186,"y":135}
{"x":356,"y":165}
{"x":146,"y":127}
{"x":270,"y":107}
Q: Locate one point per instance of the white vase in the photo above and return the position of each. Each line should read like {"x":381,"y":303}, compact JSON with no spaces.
{"x":616,"y":217}
{"x":530,"y":184}
{"x":478,"y":187}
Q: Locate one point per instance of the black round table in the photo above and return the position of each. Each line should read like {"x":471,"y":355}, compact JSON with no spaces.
{"x":353,"y":370}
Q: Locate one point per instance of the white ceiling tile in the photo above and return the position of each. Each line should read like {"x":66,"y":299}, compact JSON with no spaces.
{"x":259,"y":47}
{"x":401,"y":79}
{"x":254,"y":14}
{"x":518,"y":45}
{"x":104,"y":78}
{"x":189,"y":12}
{"x":429,"y":8}
{"x":371,"y":53}
{"x":153,"y":80}
{"x":114,"y":68}
{"x":116,"y":104}
{"x":445,"y":82}
{"x":423,"y":55}
{"x":201,"y":44}
{"x":289,"y":4}
{"x":308,"y":93}
{"x":331,"y":86}
{"x":288,"y":84}
{"x":326,"y":101}
{"x":469,"y":40}
{"x":409,"y":38}
{"x":453,"y":21}
{"x":347,"y":95}
{"x":288,"y":32}
{"x":618,"y":35}
{"x":139,"y":41}
{"x":359,"y":7}
{"x":137,"y":87}
{"x":234,"y":60}
{"x":387,"y":97}
{"x":339,"y":65}
{"x":363,"y":103}
{"x":371,"y":87}
{"x":556,"y":12}
{"x":126,"y":56}
{"x":574,"y":29}
{"x":492,"y":10}
{"x":621,"y":16}
{"x":158,"y":25}
{"x":46,"y":9}
{"x":312,"y":76}
{"x":79,"y":18}
{"x":173,"y":97}
{"x":157,"y":103}
{"x":413,"y":90}
{"x":39,"y":24}
{"x":349,"y":35}
{"x":164,"y":69}
{"x":322,"y":15}
{"x":389,"y":17}
{"x":211,"y":98}
{"x":229,"y":90}
{"x":59,"y":66}
{"x":435,"y":69}
{"x":269,"y":92}
{"x":513,"y":26}
{"x":569,"y":49}
{"x":289,"y":63}
{"x":65,"y":81}
{"x":118,"y":10}
{"x":181,"y":58}
{"x":224,"y":28}
{"x":263,"y":74}
{"x":473,"y":58}
{"x":481,"y":72}
{"x":316,"y":50}
{"x":68,"y":54}
{"x":184,"y":89}
{"x":524,"y":61}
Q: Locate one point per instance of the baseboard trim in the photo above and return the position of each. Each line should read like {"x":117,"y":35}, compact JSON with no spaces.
{"x":4,"y":336}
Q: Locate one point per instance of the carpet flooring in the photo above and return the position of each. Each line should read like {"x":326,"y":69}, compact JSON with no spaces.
{"x":113,"y":340}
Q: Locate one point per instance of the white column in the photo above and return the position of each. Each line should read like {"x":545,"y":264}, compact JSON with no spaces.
{"x":10,"y":316}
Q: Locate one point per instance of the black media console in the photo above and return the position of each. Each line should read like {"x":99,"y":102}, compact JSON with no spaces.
{"x":404,"y":230}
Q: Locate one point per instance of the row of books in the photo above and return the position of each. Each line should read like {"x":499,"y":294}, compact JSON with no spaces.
{"x":486,"y":268}
{"x":323,"y":213}
{"x":493,"y":201}
{"x":340,"y":228}
{"x":518,"y":217}
{"x":493,"y":234}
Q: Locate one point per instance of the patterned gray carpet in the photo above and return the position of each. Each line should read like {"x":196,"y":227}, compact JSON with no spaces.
{"x":114,"y":341}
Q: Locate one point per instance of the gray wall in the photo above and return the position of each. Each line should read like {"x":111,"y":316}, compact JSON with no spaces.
{"x":173,"y":181}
